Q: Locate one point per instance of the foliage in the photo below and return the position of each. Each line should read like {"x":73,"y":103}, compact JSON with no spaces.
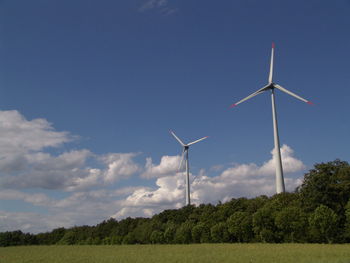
{"x":183,"y":234}
{"x":240,"y":226}
{"x":347,"y":222}
{"x":291,"y":222}
{"x":327,"y":184}
{"x":323,"y":224}
{"x":219,"y":233}
{"x":201,"y":233}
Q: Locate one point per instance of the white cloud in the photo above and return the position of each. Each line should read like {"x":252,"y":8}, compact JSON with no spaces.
{"x":94,"y":206}
{"x":19,"y":135}
{"x":247,"y":180}
{"x":120,"y":165}
{"x":43,"y":170}
{"x":168,"y":165}
{"x":24,"y":163}
{"x":29,"y":222}
{"x":37,"y":199}
{"x":145,"y":201}
{"x":289,"y":163}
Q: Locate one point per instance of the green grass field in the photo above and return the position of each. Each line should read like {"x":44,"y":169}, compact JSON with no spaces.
{"x":206,"y":253}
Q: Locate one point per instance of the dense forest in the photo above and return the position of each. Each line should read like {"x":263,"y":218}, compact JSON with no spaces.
{"x":318,"y":212}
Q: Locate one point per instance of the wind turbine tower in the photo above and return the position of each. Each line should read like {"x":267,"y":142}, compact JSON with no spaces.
{"x":185,"y":157}
{"x":271,"y":86}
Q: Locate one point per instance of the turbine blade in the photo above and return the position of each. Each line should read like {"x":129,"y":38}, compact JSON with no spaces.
{"x":182,"y":160}
{"x":291,"y":93}
{"x":271,"y":62}
{"x":201,"y":139}
{"x":177,"y":138}
{"x":251,"y":95}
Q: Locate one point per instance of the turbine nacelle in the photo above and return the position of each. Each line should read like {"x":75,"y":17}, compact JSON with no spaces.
{"x":186,"y":146}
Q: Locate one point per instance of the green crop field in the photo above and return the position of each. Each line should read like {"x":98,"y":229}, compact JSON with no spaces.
{"x":209,"y":253}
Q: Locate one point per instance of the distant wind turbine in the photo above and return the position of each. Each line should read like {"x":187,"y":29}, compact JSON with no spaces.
{"x":280,"y":188}
{"x":185,"y":156}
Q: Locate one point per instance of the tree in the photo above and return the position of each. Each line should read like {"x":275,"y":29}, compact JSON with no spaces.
{"x":347,"y":223}
{"x":292,"y":224}
{"x":323,"y":224}
{"x":56,"y":235}
{"x":264,"y":225}
{"x":219,"y":233}
{"x":157,"y":237}
{"x":327,"y":184}
{"x":207,"y":214}
{"x":225,"y":210}
{"x":14,"y":238}
{"x":200,"y":233}
{"x":240,"y":226}
{"x":69,"y":238}
{"x":183,"y":234}
{"x":143,"y":231}
{"x":129,"y":239}
{"x":256,"y":203}
{"x":116,"y":240}
{"x":169,"y":233}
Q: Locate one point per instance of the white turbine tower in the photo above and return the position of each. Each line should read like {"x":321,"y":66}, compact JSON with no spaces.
{"x":272,"y":86}
{"x":185,"y":156}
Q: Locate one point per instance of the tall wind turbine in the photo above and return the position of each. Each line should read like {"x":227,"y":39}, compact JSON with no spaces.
{"x":271,"y":86}
{"x":185,"y":156}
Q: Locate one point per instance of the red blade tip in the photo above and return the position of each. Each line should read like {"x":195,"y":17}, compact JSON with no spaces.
{"x":273,"y":44}
{"x":233,"y":105}
{"x":309,"y":102}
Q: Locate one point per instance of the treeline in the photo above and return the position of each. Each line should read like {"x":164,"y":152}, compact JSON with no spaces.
{"x":318,"y":211}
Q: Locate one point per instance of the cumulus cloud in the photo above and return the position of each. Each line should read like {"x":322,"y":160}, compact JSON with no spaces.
{"x":93,"y":206}
{"x":120,"y":165}
{"x":78,"y":208}
{"x":289,"y":162}
{"x":19,"y":135}
{"x":37,"y":199}
{"x":168,"y":165}
{"x":29,"y":222}
{"x":146,"y":201}
{"x":42,"y":170}
{"x":25,"y":163}
{"x":247,"y":180}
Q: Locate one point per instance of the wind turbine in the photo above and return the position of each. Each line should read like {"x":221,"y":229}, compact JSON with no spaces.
{"x":185,"y":156}
{"x":272,"y":86}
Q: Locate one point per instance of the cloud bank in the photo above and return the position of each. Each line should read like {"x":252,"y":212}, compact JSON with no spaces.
{"x":33,"y":175}
{"x":25,"y":163}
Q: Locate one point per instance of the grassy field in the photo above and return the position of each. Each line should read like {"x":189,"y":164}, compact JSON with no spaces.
{"x":206,"y":253}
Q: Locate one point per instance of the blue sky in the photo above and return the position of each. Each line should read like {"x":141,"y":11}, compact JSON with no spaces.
{"x":108,"y":79}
